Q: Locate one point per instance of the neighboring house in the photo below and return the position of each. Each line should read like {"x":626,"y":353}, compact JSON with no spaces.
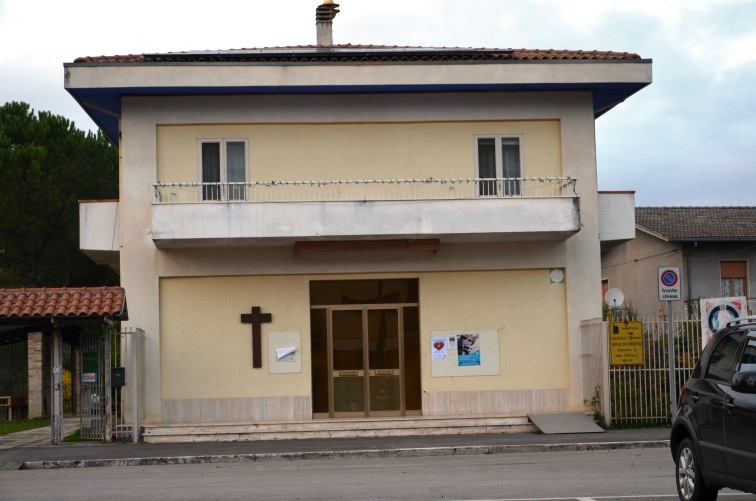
{"x":366,"y":209}
{"x":714,"y":247}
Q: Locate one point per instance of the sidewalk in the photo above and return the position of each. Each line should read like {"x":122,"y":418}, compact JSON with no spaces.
{"x":36,"y":436}
{"x":32,"y":452}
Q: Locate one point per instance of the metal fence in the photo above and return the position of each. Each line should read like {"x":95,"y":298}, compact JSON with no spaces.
{"x":364,"y":189}
{"x":101,"y":353}
{"x":640,"y":394}
{"x":92,"y":384}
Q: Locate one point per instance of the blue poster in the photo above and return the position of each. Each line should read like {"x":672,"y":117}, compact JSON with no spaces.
{"x":468,"y":350}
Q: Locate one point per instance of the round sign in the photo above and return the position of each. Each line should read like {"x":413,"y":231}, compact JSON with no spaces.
{"x":669,"y":278}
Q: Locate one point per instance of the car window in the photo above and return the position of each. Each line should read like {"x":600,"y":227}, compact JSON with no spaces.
{"x":722,"y":358}
{"x":748,"y":362}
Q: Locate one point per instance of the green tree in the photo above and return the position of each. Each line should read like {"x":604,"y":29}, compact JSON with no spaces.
{"x":46,"y":167}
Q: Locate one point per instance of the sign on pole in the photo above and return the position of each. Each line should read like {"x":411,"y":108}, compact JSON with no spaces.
{"x":669,"y":283}
{"x":670,"y":290}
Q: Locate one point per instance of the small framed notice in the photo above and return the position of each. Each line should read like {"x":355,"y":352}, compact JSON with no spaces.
{"x":284,"y":352}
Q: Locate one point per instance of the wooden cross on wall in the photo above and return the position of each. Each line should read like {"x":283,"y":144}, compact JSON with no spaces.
{"x":256,"y":319}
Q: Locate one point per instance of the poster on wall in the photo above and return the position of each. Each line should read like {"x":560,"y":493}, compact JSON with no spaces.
{"x":468,"y":350}
{"x":439,"y":350}
{"x":716,"y":312}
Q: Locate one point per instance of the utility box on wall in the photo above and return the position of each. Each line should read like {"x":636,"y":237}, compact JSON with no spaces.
{"x":118,"y":377}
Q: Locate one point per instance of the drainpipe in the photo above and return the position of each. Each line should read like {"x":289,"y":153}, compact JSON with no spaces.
{"x":688,"y":272}
{"x":324,"y":15}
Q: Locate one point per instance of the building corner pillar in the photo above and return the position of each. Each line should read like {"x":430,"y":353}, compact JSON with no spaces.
{"x":35,"y":370}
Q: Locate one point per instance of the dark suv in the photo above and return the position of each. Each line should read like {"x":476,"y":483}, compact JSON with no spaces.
{"x":713,"y":437}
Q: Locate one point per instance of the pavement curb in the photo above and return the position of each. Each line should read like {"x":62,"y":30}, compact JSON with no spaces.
{"x":367,"y":453}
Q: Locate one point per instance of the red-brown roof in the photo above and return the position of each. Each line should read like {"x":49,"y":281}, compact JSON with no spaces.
{"x":360,"y":53}
{"x":67,"y":302}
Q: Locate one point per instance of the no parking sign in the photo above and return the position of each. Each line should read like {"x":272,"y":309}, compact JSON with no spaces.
{"x":669,"y":283}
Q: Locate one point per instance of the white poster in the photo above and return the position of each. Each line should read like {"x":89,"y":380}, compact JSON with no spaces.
{"x":716,"y":312}
{"x":439,"y":349}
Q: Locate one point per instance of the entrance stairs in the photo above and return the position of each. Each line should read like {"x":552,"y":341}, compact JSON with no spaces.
{"x":335,"y":428}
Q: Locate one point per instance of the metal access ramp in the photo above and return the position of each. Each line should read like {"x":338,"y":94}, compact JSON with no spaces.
{"x":573,"y":422}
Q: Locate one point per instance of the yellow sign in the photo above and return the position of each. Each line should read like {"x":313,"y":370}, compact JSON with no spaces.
{"x":626,"y":343}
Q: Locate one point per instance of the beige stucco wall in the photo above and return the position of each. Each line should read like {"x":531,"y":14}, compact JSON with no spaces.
{"x":358,"y":150}
{"x":528,"y":312}
{"x":206,"y":350}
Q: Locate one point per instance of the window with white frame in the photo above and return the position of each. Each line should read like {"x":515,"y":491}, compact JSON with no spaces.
{"x":223,"y":169}
{"x":499,"y":168}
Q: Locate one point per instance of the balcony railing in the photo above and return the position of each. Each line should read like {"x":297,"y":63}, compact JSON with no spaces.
{"x":365,"y":190}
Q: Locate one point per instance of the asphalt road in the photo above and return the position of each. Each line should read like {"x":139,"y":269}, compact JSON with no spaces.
{"x":644,"y":474}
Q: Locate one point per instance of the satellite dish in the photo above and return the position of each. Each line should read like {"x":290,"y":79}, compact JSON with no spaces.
{"x":614,"y":298}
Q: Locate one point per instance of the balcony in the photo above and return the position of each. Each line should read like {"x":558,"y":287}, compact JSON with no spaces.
{"x":284,"y":212}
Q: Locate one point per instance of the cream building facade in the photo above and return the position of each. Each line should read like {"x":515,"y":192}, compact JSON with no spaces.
{"x":421,"y":225}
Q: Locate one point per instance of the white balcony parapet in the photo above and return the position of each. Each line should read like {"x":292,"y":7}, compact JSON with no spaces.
{"x":99,"y":231}
{"x":284,"y":212}
{"x":365,"y":190}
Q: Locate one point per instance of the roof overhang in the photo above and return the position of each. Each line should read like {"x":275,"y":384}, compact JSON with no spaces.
{"x":100,"y":87}
{"x":44,"y":307}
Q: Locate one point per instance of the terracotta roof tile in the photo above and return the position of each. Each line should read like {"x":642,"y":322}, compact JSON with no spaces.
{"x":83,"y":302}
{"x":699,"y":223}
{"x":359,"y":53}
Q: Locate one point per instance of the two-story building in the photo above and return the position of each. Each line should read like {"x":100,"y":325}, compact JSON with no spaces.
{"x":336,"y":231}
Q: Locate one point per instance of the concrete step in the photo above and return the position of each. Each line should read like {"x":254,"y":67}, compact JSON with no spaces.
{"x":334,"y":428}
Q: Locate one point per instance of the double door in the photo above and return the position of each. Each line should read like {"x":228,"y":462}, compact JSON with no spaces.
{"x":366,"y":348}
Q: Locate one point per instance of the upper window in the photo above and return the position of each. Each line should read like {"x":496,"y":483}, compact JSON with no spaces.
{"x":734,"y":278}
{"x":223,"y":167}
{"x":499,"y":168}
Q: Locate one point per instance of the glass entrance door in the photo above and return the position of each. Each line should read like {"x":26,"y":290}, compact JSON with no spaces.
{"x":366,"y":375}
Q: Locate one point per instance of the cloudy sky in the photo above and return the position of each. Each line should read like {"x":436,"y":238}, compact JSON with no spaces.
{"x":688,"y":139}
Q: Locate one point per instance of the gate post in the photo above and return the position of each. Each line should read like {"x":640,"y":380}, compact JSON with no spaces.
{"x":671,"y":345}
{"x":108,"y":404}
{"x":56,"y":402}
{"x":606,"y":392}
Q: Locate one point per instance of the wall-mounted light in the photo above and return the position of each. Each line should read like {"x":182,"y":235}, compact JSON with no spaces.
{"x":556,"y":275}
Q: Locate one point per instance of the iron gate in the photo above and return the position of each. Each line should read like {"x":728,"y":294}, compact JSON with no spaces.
{"x":639,"y":395}
{"x":128,"y":408}
{"x":92,"y":384}
{"x":101,"y":351}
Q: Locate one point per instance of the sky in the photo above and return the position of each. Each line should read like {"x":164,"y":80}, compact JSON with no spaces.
{"x":688,"y":139}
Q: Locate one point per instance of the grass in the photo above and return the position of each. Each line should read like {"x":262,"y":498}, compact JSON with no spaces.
{"x":22,"y":424}
{"x":73,"y":437}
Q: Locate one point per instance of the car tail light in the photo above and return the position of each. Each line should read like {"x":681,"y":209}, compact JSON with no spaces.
{"x":682,"y":391}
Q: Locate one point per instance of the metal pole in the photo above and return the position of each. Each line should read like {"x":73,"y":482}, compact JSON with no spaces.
{"x":671,"y":346}
{"x":108,"y":404}
{"x":56,"y":400}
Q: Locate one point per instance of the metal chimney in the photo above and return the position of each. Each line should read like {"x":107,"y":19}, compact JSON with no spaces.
{"x":324,"y":15}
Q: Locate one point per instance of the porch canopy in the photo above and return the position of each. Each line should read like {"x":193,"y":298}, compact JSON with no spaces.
{"x":39,"y":308}
{"x":64,"y":312}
